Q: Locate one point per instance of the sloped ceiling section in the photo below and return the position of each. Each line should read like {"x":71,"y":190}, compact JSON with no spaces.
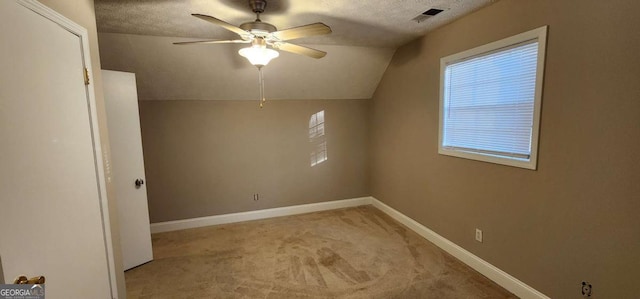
{"x":168,"y":72}
{"x":137,"y":36}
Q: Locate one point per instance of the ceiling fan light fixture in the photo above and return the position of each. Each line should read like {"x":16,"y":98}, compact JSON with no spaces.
{"x":258,"y":55}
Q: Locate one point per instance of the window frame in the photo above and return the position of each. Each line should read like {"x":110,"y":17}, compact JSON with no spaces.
{"x":539,"y":34}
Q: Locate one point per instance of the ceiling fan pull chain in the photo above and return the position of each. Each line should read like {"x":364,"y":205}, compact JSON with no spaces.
{"x":261,"y":85}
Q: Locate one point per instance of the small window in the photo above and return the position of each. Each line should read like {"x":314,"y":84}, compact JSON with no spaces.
{"x":490,"y":100}
{"x":318,"y":139}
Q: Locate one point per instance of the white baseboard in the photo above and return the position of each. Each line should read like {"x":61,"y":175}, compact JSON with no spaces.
{"x":500,"y":277}
{"x":160,"y":227}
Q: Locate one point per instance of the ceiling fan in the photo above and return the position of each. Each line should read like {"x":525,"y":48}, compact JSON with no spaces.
{"x":261,"y":34}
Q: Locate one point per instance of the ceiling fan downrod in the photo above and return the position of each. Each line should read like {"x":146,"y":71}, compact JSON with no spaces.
{"x":258,"y":6}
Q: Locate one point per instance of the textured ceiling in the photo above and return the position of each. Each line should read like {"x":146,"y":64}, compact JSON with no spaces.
{"x":137,"y":35}
{"x":368,"y":23}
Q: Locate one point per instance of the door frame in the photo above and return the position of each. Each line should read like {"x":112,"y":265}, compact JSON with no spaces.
{"x":83,"y":34}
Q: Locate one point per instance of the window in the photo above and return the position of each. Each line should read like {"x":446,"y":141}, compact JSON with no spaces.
{"x":490,"y":101}
{"x":317,"y":138}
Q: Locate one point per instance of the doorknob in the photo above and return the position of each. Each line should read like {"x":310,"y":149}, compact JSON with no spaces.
{"x":139,"y":182}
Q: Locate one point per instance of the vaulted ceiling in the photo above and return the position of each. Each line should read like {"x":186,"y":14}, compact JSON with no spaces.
{"x":137,"y":36}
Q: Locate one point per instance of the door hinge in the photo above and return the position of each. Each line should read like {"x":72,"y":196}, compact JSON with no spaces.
{"x":86,"y":76}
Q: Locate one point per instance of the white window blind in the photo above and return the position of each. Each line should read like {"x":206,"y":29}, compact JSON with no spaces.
{"x":490,"y":99}
{"x":489,"y":102}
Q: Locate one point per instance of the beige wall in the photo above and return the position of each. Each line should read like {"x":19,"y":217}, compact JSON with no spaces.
{"x":82,"y":13}
{"x":576,"y":217}
{"x":206,"y":158}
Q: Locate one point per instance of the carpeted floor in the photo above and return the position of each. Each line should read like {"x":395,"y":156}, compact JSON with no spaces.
{"x":349,"y":253}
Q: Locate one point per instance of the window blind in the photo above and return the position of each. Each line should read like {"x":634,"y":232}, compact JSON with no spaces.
{"x":489,"y":102}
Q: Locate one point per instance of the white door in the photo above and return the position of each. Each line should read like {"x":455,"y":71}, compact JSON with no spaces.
{"x":51,"y":180}
{"x":127,"y":162}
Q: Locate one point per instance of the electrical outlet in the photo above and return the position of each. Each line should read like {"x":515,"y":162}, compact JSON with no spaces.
{"x":478,"y":235}
{"x":256,"y":197}
{"x":586,"y":289}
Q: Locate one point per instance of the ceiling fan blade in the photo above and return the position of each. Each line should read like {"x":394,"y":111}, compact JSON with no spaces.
{"x":221,"y":23}
{"x":297,"y":49}
{"x":302,"y":31}
{"x":214,"y":41}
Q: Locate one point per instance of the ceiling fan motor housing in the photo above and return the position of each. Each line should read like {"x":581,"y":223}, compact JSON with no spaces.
{"x":257,"y":26}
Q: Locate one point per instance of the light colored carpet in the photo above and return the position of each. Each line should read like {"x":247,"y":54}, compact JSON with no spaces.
{"x":348,"y":253}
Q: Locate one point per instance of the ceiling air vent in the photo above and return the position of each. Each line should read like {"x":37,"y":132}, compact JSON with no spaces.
{"x":427,"y":14}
